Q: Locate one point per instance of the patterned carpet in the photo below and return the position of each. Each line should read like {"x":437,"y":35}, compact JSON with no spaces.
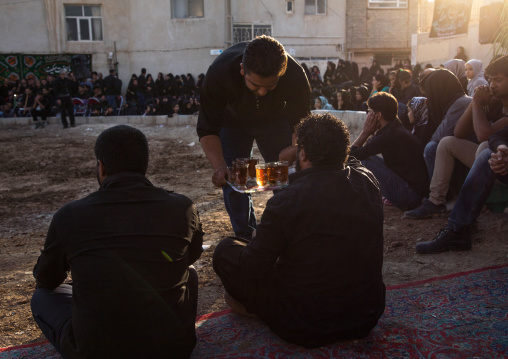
{"x":464,"y":315}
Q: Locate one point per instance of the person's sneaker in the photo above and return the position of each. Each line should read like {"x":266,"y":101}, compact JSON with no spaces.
{"x":427,"y":209}
{"x":44,"y":124}
{"x":446,"y":240}
{"x":38,"y":125}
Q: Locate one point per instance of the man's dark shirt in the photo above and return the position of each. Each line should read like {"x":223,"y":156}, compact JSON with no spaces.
{"x":112,"y":86}
{"x":62,"y":86}
{"x":402,"y":153}
{"x":128,"y":299}
{"x":227,"y":102}
{"x":319,"y":245}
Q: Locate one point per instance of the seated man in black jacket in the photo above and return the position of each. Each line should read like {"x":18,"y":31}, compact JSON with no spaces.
{"x":402,"y":173}
{"x":128,"y":247}
{"x":313,"y":270}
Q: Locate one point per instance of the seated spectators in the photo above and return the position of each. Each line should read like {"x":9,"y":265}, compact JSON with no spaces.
{"x":406,"y":89}
{"x":380,"y":83}
{"x":361,"y":96}
{"x":446,"y":102}
{"x":418,"y":114}
{"x":458,"y":68}
{"x":321,"y":103}
{"x":474,"y":74}
{"x":491,"y":164}
{"x":344,"y":101}
{"x":474,"y":126}
{"x":313,"y":280}
{"x":401,"y":173}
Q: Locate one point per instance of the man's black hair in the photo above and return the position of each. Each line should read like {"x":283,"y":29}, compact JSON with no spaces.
{"x":324,"y":138}
{"x":143,"y":71}
{"x":122,"y":149}
{"x":498,"y":67}
{"x":384,"y":103}
{"x":112,"y":71}
{"x":265,"y":57}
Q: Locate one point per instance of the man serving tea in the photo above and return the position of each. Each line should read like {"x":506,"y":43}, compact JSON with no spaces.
{"x":252,"y":91}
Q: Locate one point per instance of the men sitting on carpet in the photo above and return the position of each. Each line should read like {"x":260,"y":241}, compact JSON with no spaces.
{"x":312,"y":271}
{"x":490,"y":164}
{"x":402,"y":173}
{"x":128,"y":247}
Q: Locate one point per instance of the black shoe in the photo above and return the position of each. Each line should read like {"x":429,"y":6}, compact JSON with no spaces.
{"x":44,"y":124}
{"x":446,"y":240}
{"x":38,"y":125}
{"x":427,"y":209}
{"x":73,"y":125}
{"x":65,"y":126}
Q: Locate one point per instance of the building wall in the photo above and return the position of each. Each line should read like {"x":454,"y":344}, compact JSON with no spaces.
{"x":439,"y":50}
{"x":380,"y":29}
{"x":306,"y":35}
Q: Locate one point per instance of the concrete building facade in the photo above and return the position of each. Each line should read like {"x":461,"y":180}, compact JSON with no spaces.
{"x":178,"y":36}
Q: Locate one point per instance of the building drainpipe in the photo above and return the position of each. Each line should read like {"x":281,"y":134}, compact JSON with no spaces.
{"x":229,"y":25}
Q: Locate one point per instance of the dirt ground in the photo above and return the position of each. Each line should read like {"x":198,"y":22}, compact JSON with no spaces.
{"x":42,"y":170}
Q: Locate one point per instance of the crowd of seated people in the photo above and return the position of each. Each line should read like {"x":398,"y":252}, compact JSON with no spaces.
{"x":102,"y":96}
{"x":457,"y":116}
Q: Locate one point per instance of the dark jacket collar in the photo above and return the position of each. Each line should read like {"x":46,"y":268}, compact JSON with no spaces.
{"x":124,"y":177}
{"x":312,"y":170}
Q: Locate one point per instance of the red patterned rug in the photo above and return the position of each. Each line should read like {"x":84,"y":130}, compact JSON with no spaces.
{"x":463,"y":315}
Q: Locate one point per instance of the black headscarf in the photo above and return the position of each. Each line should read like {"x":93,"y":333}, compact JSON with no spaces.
{"x":442,"y":89}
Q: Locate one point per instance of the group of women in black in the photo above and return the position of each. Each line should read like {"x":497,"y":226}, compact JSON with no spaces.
{"x":165,"y":95}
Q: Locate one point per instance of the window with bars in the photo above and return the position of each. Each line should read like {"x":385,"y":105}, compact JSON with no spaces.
{"x":182,"y":9}
{"x":388,"y":4}
{"x":247,"y":32}
{"x":84,"y":22}
{"x":315,"y":7}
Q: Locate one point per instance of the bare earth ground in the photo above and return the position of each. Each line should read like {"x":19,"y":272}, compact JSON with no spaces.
{"x":42,"y":170}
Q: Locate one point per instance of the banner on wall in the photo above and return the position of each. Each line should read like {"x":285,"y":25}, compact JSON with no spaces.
{"x":16,"y":66}
{"x":451,"y":17}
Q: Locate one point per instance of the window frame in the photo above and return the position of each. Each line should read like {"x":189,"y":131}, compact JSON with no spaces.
{"x":397,"y":4}
{"x":79,"y":19}
{"x":173,"y":8}
{"x":253,"y":28}
{"x":316,"y":7}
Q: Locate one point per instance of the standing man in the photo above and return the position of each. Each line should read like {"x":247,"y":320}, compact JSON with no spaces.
{"x":63,"y":92}
{"x":112,"y":88}
{"x":128,"y":247}
{"x":252,"y":91}
{"x":313,"y":272}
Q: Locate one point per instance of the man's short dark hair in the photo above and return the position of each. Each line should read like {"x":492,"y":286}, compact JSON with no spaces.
{"x":384,"y":103}
{"x":498,"y":67}
{"x":122,"y":149}
{"x":324,"y":138}
{"x":143,"y":70}
{"x":111,"y":71}
{"x":265,"y":57}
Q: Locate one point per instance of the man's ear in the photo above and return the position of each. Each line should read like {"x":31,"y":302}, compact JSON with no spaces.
{"x":242,"y":71}
{"x":301,"y":155}
{"x":102,"y":169}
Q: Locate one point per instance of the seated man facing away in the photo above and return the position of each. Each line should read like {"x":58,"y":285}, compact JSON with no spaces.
{"x":475,"y":125}
{"x":402,"y":173}
{"x":491,"y":164}
{"x":312,"y":272}
{"x":128,"y":247}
